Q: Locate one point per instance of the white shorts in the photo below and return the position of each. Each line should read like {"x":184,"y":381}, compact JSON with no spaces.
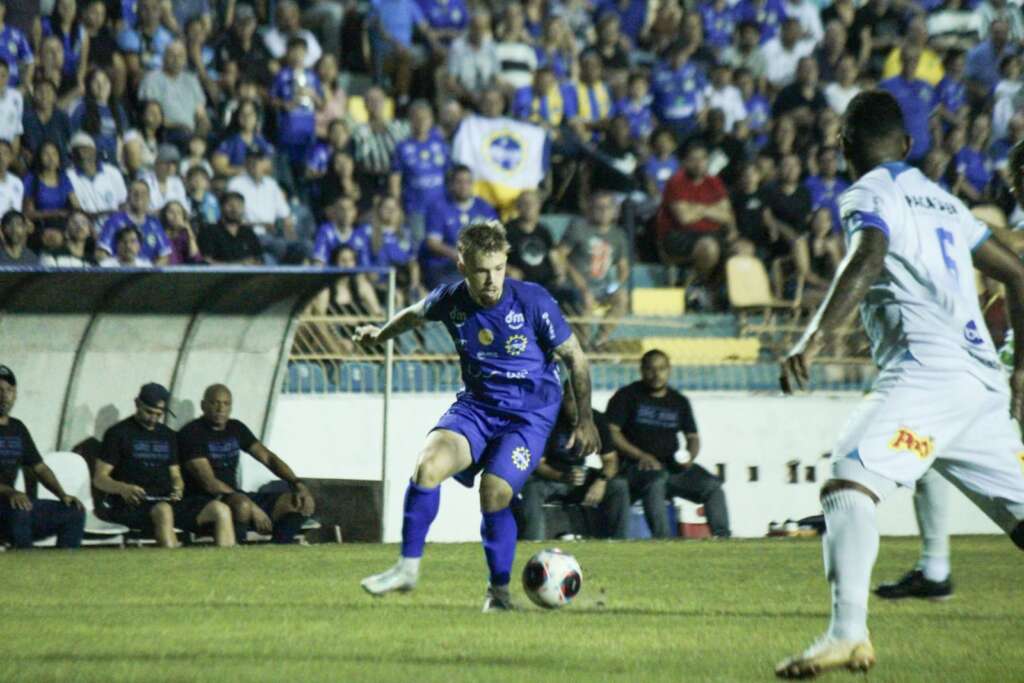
{"x":915,"y":418}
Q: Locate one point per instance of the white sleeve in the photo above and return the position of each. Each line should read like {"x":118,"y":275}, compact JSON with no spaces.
{"x":859,"y":208}
{"x":975,"y":231}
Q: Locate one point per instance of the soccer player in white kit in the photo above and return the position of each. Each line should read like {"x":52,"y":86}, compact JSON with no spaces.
{"x":940,"y":400}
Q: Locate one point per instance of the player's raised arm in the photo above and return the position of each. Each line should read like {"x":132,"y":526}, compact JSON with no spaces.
{"x":407,"y":319}
{"x":585,"y":434}
{"x":855,"y":276}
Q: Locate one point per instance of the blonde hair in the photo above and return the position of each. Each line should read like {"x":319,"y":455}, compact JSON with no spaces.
{"x":483,"y":237}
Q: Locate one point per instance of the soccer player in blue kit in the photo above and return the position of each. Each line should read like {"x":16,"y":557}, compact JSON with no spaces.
{"x":508,"y":335}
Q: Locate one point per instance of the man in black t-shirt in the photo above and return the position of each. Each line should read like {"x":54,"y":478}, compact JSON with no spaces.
{"x":533,"y":256}
{"x":562,"y":475}
{"x":138,"y":470}
{"x":23,"y":520}
{"x":645,"y":419}
{"x":210,"y":448}
{"x":230,"y":242}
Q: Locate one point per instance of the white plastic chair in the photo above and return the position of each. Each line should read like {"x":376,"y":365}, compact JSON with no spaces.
{"x":73,"y":474}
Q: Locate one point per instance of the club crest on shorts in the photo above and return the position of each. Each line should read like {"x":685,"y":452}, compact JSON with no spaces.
{"x":515,"y":344}
{"x":521,"y":458}
{"x":485,"y":336}
{"x":907,"y":440}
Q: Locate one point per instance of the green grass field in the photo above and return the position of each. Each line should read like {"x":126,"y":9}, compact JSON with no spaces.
{"x":668,"y":611}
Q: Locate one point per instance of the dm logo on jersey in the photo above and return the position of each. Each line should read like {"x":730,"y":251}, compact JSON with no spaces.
{"x":457,"y":316}
{"x":971,"y":334}
{"x":521,"y":458}
{"x":485,"y":336}
{"x":907,"y":440}
{"x":515,"y":320}
{"x":515,"y":344}
{"x":506,"y":150}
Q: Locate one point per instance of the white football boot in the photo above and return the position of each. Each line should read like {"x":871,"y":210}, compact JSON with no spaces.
{"x":397,"y":578}
{"x":828,"y":653}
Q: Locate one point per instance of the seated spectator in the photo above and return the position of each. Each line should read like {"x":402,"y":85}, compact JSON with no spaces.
{"x":48,"y":195}
{"x":473,"y":63}
{"x":748,"y":205}
{"x":695,"y":221}
{"x":612,"y":49}
{"x":318,"y":161}
{"x":826,"y":185}
{"x":544,"y":102}
{"x":391,"y":26}
{"x":757,"y":106}
{"x":139,"y":471}
{"x":636,"y":106}
{"x":15,"y":51}
{"x":51,"y":68}
{"x":374,"y":145}
{"x":645,"y":419}
{"x":597,"y":260}
{"x":210,"y":447}
{"x":101,"y":116}
{"x":917,"y":99}
{"x":877,"y":28}
{"x":719,"y":20}
{"x":783,"y":140}
{"x":831,"y":51}
{"x":951,"y":92}
{"x":99,"y":187}
{"x":352,"y":293}
{"x":196,"y":157}
{"x":514,"y":48}
{"x":447,"y":19}
{"x":231,"y":241}
{"x":840,"y":92}
{"x":769,"y":15}
{"x":205,"y":209}
{"x":13,"y":248}
{"x":243,"y":135}
{"x":783,"y":52}
{"x":12,"y":108}
{"x":692,"y":35}
{"x":929,"y":63}
{"x":726,"y":153}
{"x":180,"y":94}
{"x":661,"y":164}
{"x":164,"y":183}
{"x":12,"y":190}
{"x":556,"y":49}
{"x":809,"y":15}
{"x":155,"y":247}
{"x":267,"y":211}
{"x":533,"y":255}
{"x":142,"y":144}
{"x":339,"y":181}
{"x":335,"y":99}
{"x":824,"y":244}
{"x":23,"y":520}
{"x":243,"y":47}
{"x":339,"y":231}
{"x":563,"y":476}
{"x":747,"y":53}
{"x":65,"y":24}
{"x":184,"y":247}
{"x":144,"y":45}
{"x":420,"y":164}
{"x":972,"y":165}
{"x":723,"y":95}
{"x":444,"y":220}
{"x":286,"y":27}
{"x":678,"y":88}
{"x":613,"y":166}
{"x":127,"y":250}
{"x":633,"y":15}
{"x":43,"y":122}
{"x":392,"y":246}
{"x":802,"y":99}
{"x":1006,"y":95}
{"x":103,"y":51}
{"x":296,"y":95}
{"x":77,"y":248}
{"x":787,"y":216}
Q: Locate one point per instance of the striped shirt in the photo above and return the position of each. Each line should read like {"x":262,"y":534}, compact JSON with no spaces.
{"x":374,"y":149}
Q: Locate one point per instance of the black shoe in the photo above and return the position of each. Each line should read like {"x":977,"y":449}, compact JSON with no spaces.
{"x":498,"y":599}
{"x":914,"y":585}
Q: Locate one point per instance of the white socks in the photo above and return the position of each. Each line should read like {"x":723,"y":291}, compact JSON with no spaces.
{"x":850,"y":548}
{"x":410,"y":565}
{"x":930,"y":504}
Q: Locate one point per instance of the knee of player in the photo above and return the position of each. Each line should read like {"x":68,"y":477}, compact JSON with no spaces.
{"x":495,"y":494}
{"x":162,"y":513}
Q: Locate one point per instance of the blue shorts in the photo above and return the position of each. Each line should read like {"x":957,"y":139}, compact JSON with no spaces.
{"x":504,"y":445}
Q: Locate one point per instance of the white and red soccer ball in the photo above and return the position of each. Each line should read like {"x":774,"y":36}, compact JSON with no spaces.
{"x":552,"y":578}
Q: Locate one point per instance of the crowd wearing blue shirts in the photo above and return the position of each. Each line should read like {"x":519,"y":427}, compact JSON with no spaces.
{"x":350,"y":131}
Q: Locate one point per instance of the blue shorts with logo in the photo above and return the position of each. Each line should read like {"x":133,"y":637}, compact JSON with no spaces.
{"x":503,"y":444}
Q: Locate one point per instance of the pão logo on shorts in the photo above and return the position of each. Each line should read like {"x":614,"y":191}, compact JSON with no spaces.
{"x":907,"y":440}
{"x":521,"y":458}
{"x":515,"y":320}
{"x":515,"y":344}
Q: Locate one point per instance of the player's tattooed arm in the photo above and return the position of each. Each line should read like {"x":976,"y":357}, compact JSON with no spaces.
{"x":856,"y":274}
{"x":996,"y":261}
{"x":405,"y":320}
{"x":585,"y":434}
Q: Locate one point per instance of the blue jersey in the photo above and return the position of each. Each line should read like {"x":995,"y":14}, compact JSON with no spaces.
{"x":976,"y":167}
{"x":236,"y":149}
{"x":639,"y":115}
{"x":917,"y":100}
{"x":678,"y":93}
{"x":14,"y":50}
{"x":396,"y":248}
{"x":719,"y":26}
{"x":825,"y":193}
{"x":329,"y":240}
{"x":154,"y":242}
{"x":445,"y":14}
{"x":423,"y":166}
{"x":507,"y":351}
{"x":73,"y":44}
{"x":768,"y":14}
{"x":951,"y":94}
{"x":298,"y":125}
{"x":445,"y":220}
{"x":631,"y":19}
{"x":660,"y":170}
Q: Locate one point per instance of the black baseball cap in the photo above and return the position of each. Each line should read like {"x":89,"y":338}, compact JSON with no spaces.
{"x":6,"y":374}
{"x":152,"y":394}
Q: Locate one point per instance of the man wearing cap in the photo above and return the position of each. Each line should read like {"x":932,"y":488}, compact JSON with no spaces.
{"x":154,"y":243}
{"x":230,"y":241}
{"x":138,"y":470}
{"x":265,"y":206}
{"x":23,"y":520}
{"x":210,"y":447}
{"x":99,"y":187}
{"x":180,"y":94}
{"x":165,"y":185}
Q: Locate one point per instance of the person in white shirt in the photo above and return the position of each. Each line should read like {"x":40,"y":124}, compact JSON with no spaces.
{"x":941,"y":400}
{"x":99,"y":187}
{"x":839,"y":93}
{"x":11,"y":108}
{"x":12,"y":191}
{"x":722,"y":94}
{"x":267,"y":211}
{"x":783,"y":52}
{"x":127,"y":247}
{"x":74,"y":252}
{"x":809,"y":16}
{"x":286,"y":26}
{"x":164,"y":184}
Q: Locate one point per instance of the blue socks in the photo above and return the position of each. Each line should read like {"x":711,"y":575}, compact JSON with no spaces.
{"x":420,"y":510}
{"x":498,"y":530}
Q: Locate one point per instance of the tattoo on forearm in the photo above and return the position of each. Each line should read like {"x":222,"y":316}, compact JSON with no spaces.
{"x":579,"y":375}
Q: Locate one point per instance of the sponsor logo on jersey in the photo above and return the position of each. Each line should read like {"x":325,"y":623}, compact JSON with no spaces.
{"x":521,"y":458}
{"x":485,"y":355}
{"x":933,"y":203}
{"x":485,"y":336}
{"x":907,"y":440}
{"x":516,"y":344}
{"x":1020,"y":457}
{"x":551,"y":328}
{"x":515,"y":320}
{"x":972,"y":335}
{"x":517,"y":374}
{"x":457,"y":316}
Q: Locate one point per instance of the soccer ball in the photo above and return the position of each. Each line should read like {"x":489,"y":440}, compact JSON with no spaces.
{"x":552,"y":578}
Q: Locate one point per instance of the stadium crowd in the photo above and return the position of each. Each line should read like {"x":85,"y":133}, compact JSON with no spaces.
{"x":204,"y":131}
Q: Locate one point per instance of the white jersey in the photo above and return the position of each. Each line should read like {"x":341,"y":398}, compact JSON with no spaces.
{"x":924,"y":305}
